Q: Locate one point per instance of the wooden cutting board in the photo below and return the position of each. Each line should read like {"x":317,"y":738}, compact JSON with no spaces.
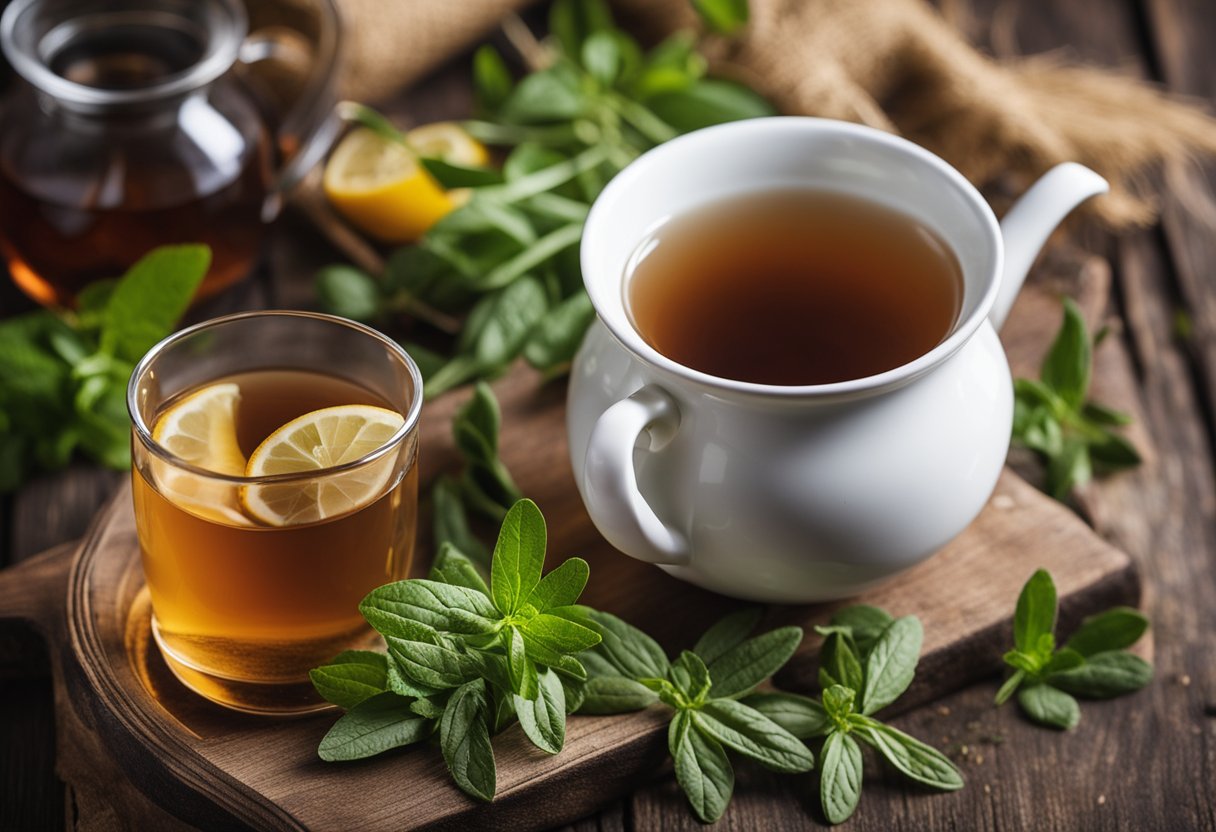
{"x":215,"y":768}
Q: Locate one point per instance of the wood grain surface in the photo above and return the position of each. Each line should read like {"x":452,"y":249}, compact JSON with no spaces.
{"x":1144,"y":762}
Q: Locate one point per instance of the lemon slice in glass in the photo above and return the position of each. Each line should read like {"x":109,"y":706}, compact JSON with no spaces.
{"x":380,"y":187}
{"x":201,"y":430}
{"x":316,"y":441}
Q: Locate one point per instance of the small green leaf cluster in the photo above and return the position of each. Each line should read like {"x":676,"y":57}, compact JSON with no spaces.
{"x":1052,"y":417}
{"x":63,"y":375}
{"x":509,"y":256}
{"x":466,"y":658}
{"x":1093,"y":663}
{"x":708,"y":689}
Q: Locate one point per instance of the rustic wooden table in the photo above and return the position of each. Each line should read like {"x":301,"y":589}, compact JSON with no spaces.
{"x":1143,"y":762}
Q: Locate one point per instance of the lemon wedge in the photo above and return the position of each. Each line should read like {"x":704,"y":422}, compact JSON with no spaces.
{"x":448,"y":141}
{"x":201,"y":430}
{"x":313,"y":442}
{"x":380,"y":187}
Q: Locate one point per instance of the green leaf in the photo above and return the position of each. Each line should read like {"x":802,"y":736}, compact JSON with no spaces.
{"x":451,"y":524}
{"x":866,"y":624}
{"x":838,"y":701}
{"x":1113,"y":452}
{"x":562,"y":586}
{"x":702,"y":769}
{"x":601,"y":54}
{"x":576,"y":693}
{"x":541,"y":653}
{"x":432,"y":665}
{"x":452,"y":567}
{"x":753,"y":735}
{"x":150,"y":297}
{"x":440,"y":606}
{"x":800,"y":715}
{"x":615,"y":695}
{"x":708,"y":102}
{"x":1104,"y":675}
{"x":840,"y":770}
{"x":451,"y":175}
{"x":1071,"y":468}
{"x":690,"y":676}
{"x":727,"y":633}
{"x":402,"y":685}
{"x":555,"y":340}
{"x":1099,"y":414}
{"x":375,"y":725}
{"x":915,"y":759}
{"x":1114,"y":629}
{"x":573,"y":21}
{"x":668,"y":693}
{"x":464,"y":739}
{"x":351,"y":677}
{"x":1049,"y":706}
{"x":725,"y":17}
{"x":427,"y":708}
{"x":499,"y":324}
{"x":519,"y":556}
{"x":547,"y":95}
{"x":746,"y":665}
{"x":1010,"y":685}
{"x":491,"y":80}
{"x":838,"y":663}
{"x":629,"y":650}
{"x":672,"y":65}
{"x":543,"y":250}
{"x":1064,"y":659}
{"x":348,"y":292}
{"x":559,"y":634}
{"x":892,"y":663}
{"x":520,"y":669}
{"x":1035,"y":614}
{"x":543,"y":716}
{"x":1066,"y":367}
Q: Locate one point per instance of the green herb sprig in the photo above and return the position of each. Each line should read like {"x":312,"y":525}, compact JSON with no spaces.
{"x":1093,"y":663}
{"x":1052,"y":416}
{"x":509,"y":256}
{"x":63,"y":374}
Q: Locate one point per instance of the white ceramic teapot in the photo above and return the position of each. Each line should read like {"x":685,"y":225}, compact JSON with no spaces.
{"x":796,"y":494}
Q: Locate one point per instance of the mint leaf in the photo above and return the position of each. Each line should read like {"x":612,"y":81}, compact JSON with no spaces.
{"x":432,"y":665}
{"x":477,"y":423}
{"x":838,"y":664}
{"x":150,"y":297}
{"x":840,"y":776}
{"x":464,"y":739}
{"x":690,"y":676}
{"x":541,"y":653}
{"x":452,"y":567}
{"x":491,"y":79}
{"x":1114,"y":629}
{"x":627,"y":649}
{"x":562,"y":586}
{"x":615,"y":695}
{"x":915,"y":759}
{"x":800,"y":715}
{"x":1104,"y":675}
{"x":451,"y":524}
{"x":1049,"y":706}
{"x":520,"y":669}
{"x":865,"y":624}
{"x":753,"y":735}
{"x":723,"y":16}
{"x":519,"y":557}
{"x":1064,"y":659}
{"x":1066,"y":368}
{"x":559,"y":634}
{"x":726,"y":633}
{"x":402,"y":685}
{"x":1010,"y":685}
{"x":838,"y":701}
{"x":1036,"y":611}
{"x":702,"y":769}
{"x":348,"y":292}
{"x":543,"y":716}
{"x":440,"y":606}
{"x":373,"y":726}
{"x":746,"y":665}
{"x":892,"y":663}
{"x":351,"y":677}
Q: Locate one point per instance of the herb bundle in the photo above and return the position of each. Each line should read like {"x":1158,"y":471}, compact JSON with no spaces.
{"x":63,"y":375}
{"x":1093,"y":663}
{"x":509,"y":256}
{"x":1052,"y":417}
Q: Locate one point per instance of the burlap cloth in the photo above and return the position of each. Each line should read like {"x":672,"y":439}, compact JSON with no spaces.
{"x":893,"y":64}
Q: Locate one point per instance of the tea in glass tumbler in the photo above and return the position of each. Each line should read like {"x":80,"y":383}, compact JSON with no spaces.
{"x":275,"y":484}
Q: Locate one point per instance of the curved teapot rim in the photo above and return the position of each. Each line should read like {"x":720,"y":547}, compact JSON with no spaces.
{"x":962,"y":332}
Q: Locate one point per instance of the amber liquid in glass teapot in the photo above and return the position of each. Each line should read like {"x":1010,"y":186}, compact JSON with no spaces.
{"x":133,"y":129}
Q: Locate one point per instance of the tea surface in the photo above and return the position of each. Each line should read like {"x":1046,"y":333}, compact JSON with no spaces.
{"x":794,"y":287}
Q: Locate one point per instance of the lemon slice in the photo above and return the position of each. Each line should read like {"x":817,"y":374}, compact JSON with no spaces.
{"x":201,"y":430}
{"x":380,"y":187}
{"x":313,"y":442}
{"x":448,"y":141}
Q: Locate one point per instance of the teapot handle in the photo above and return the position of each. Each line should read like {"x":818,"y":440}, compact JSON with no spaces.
{"x":309,"y":128}
{"x":610,"y":483}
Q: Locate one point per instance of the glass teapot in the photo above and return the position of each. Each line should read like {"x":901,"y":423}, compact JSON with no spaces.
{"x":137,"y":125}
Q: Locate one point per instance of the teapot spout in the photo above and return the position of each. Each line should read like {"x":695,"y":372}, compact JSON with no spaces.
{"x":1031,"y":220}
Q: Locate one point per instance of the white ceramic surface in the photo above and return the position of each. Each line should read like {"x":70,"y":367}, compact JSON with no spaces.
{"x":795,"y":494}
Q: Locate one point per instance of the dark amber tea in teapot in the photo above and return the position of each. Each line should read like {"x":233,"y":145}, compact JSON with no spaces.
{"x":794,"y":287}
